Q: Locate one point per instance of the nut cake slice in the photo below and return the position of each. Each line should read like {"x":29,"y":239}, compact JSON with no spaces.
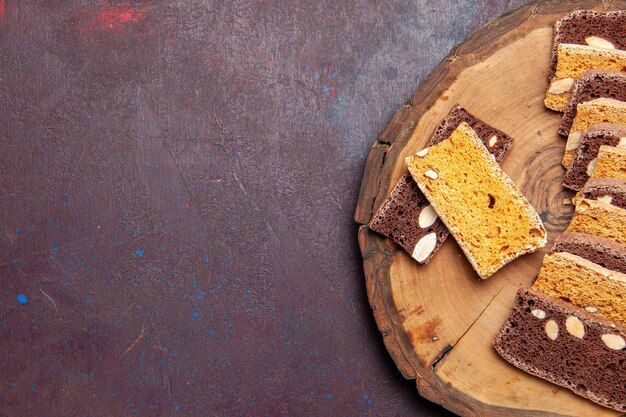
{"x":572,"y":62}
{"x":611,"y":163}
{"x":599,"y":218}
{"x":567,"y":346}
{"x":600,"y":110}
{"x":583,"y":283}
{"x":406,"y":217}
{"x":609,"y":190}
{"x":484,"y":210}
{"x":604,"y":252}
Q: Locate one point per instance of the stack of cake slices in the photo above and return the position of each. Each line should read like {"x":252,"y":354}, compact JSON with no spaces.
{"x":459,"y":169}
{"x":570,"y":326}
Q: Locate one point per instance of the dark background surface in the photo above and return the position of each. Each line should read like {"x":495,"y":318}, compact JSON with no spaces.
{"x":177,"y":186}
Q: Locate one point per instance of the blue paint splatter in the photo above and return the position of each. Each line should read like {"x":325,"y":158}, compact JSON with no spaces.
{"x":195,"y":314}
{"x":55,"y":249}
{"x":22,"y":299}
{"x":333,"y":75}
{"x":17,"y":230}
{"x":89,"y":117}
{"x":329,"y":396}
{"x":325,"y":89}
{"x":133,"y":101}
{"x":14,"y":261}
{"x":367,"y":399}
{"x":139,"y":252}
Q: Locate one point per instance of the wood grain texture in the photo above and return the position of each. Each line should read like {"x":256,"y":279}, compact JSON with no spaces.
{"x":438,"y":320}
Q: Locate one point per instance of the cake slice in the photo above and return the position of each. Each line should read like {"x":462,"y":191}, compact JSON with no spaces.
{"x":567,"y":346}
{"x":583,"y":283}
{"x":600,"y":110}
{"x":572,"y":62}
{"x":484,"y":210}
{"x":611,"y":163}
{"x":599,"y":218}
{"x":601,"y":251}
{"x":583,"y":164}
{"x":590,"y":85}
{"x":608,"y":190}
{"x":588,"y":27}
{"x":406,"y":216}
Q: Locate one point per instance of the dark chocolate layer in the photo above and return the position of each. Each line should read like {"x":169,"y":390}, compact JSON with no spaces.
{"x":578,"y":25}
{"x":597,"y":135}
{"x":585,"y":365}
{"x":604,"y":252}
{"x":397,"y":218}
{"x":606,"y":189}
{"x":590,"y":85}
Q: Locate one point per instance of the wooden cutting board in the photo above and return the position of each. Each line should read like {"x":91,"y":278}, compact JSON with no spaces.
{"x":438,"y":320}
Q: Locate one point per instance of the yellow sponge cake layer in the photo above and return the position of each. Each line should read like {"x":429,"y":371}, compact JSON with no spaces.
{"x":572,"y":61}
{"x":484,"y":210}
{"x":600,"y":110}
{"x":611,"y":163}
{"x":600,"y":219}
{"x":583,"y":283}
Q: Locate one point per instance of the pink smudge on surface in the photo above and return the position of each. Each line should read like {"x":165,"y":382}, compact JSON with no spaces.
{"x":114,"y":18}
{"x":2,"y":9}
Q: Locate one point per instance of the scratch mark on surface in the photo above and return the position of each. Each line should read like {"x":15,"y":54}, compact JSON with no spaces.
{"x":137,"y":340}
{"x":244,"y":191}
{"x":54,"y":304}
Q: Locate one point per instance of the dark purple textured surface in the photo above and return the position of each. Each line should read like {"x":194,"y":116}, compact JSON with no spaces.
{"x":177,"y":186}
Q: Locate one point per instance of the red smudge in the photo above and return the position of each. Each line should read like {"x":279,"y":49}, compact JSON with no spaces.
{"x":114,"y":18}
{"x":2,"y":8}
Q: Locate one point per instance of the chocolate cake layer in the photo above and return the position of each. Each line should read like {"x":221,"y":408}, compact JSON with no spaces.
{"x":406,"y":217}
{"x":604,"y":252}
{"x":584,"y":162}
{"x":590,"y":85}
{"x":609,"y":190}
{"x":578,"y":26}
{"x":567,"y":346}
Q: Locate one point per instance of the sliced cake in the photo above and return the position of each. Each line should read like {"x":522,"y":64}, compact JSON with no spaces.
{"x":608,"y":190}
{"x":604,"y":252}
{"x":572,"y":62}
{"x":590,"y":85}
{"x":484,"y":210}
{"x":567,"y":346}
{"x":588,"y":27}
{"x":407,"y":217}
{"x":599,"y":218}
{"x":583,"y":164}
{"x":611,"y":163}
{"x":600,"y":110}
{"x":583,"y":283}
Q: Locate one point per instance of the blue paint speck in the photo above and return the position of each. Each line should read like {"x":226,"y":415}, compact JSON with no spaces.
{"x":367,"y":400}
{"x":139,"y":252}
{"x":21,"y":298}
{"x":133,"y":101}
{"x":14,"y":261}
{"x":177,"y":407}
{"x":329,"y":396}
{"x":55,"y":249}
{"x":325,"y":89}
{"x":89,"y":117}
{"x":195,"y":314}
{"x":333,"y":75}
{"x":17,"y":230}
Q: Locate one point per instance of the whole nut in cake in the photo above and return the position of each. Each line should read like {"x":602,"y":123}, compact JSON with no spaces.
{"x":422,"y":153}
{"x":432,"y":174}
{"x":614,"y":341}
{"x":606,"y":199}
{"x":622,"y":143}
{"x":561,"y":86}
{"x":598,"y":42}
{"x":492,"y":141}
{"x":575,"y":327}
{"x":592,"y":166}
{"x":540,"y":314}
{"x":573,"y":141}
{"x":552,"y":329}
{"x":424,"y":247}
{"x":427,"y":217}
{"x":591,"y":309}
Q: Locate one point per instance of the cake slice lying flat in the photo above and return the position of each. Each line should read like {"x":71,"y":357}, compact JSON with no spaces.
{"x":599,"y":218}
{"x":573,"y":61}
{"x":407,"y":217}
{"x":583,"y":283}
{"x":611,"y":163}
{"x":583,"y":164}
{"x":588,"y":27}
{"x":600,"y":110}
{"x":604,"y":252}
{"x":567,"y":346}
{"x":590,"y":85}
{"x":608,"y":190}
{"x":484,"y":210}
